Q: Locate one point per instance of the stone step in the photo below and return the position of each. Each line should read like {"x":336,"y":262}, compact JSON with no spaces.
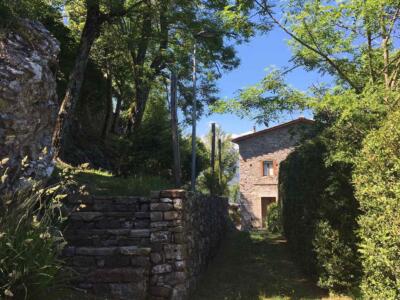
{"x":89,"y":216}
{"x":71,"y":251}
{"x":108,"y":237}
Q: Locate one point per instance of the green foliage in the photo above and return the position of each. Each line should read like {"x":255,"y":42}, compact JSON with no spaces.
{"x":31,"y":242}
{"x":274,"y":218}
{"x":377,"y":180}
{"x":319,"y":216}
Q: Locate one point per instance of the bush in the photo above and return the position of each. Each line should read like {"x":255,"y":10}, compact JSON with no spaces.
{"x":377,"y":181}
{"x":274,"y":222}
{"x":319,"y":214}
{"x":30,"y":244}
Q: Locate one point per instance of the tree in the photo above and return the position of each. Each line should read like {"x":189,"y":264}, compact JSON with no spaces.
{"x":217,"y":182}
{"x":95,"y":17}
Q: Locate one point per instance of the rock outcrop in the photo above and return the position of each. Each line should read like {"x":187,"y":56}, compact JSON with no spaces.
{"x":28,"y":102}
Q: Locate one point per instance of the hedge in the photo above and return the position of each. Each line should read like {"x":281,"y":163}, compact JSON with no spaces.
{"x":319,"y":216}
{"x":377,"y":181}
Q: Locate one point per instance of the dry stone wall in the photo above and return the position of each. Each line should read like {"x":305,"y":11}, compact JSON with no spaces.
{"x":139,"y":248}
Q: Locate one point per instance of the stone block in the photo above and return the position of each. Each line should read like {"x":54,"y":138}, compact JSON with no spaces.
{"x":178,"y":203}
{"x":142,"y":224}
{"x":160,"y":269}
{"x":171,"y":215}
{"x":156,"y":258}
{"x":83,"y":261}
{"x":179,"y":238}
{"x":160,"y":224}
{"x":156,"y":216}
{"x":142,"y":215}
{"x":175,"y":278}
{"x":86,"y":216}
{"x":129,"y":291}
{"x":174,"y":193}
{"x":160,"y":291}
{"x":140,"y":261}
{"x":116,"y":275}
{"x":95,"y":251}
{"x":180,"y":265}
{"x":161,"y":206}
{"x":160,"y":236}
{"x":178,"y":252}
{"x":134,"y":250}
{"x":68,"y":251}
{"x":137,"y":233}
{"x":117,"y":261}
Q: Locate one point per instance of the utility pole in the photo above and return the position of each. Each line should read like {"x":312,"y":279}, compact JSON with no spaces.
{"x":194,"y":118}
{"x":220,"y":159}
{"x":200,"y":34}
{"x":174,"y":130}
{"x":213,"y":149}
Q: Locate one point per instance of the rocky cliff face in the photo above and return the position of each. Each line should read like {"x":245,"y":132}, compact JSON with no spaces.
{"x":28,"y":102}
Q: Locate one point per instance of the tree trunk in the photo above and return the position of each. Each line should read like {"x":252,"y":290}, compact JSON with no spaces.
{"x":108,"y":107}
{"x":175,"y":135}
{"x":142,"y":95}
{"x":116,"y":114}
{"x":65,"y":114}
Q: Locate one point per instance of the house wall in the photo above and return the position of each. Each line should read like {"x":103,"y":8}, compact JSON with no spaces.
{"x":275,"y":146}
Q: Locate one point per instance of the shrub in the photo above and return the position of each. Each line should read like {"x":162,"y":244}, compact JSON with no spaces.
{"x":274,"y":222}
{"x":319,"y":216}
{"x":377,"y":181}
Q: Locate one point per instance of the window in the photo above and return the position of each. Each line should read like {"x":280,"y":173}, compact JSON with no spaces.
{"x":268,"y":168}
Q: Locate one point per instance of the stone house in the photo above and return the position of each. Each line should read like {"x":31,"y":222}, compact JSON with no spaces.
{"x":260,"y":154}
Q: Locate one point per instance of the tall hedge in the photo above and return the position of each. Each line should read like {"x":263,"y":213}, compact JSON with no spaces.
{"x":319,"y":216}
{"x":377,"y":180}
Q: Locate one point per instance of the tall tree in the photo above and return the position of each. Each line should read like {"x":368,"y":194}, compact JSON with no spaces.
{"x":95,"y":17}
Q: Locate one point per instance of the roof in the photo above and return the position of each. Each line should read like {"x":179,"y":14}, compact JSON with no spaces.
{"x":300,"y":120}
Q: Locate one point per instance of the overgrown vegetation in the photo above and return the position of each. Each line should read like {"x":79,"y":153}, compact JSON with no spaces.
{"x":31,"y":240}
{"x":274,"y":218}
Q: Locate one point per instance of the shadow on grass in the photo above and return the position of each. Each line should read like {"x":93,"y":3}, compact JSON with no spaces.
{"x":254,"y":266}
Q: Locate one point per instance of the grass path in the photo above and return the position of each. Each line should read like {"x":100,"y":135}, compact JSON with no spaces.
{"x":255,"y":266}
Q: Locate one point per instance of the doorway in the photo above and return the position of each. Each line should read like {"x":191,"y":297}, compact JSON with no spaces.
{"x":265,"y":202}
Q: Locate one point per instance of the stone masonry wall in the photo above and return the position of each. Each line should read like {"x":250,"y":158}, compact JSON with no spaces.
{"x":274,"y":146}
{"x":185,"y":234}
{"x":139,"y":248}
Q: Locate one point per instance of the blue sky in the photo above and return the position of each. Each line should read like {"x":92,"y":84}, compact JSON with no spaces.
{"x":261,"y":52}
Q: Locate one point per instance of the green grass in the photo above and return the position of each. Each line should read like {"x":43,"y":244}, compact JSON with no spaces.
{"x":255,"y":266}
{"x":103,"y":183}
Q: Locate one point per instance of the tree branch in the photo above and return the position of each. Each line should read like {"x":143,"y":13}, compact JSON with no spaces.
{"x":315,"y":50}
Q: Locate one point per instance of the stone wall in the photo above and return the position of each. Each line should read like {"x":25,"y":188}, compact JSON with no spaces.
{"x":28,"y":101}
{"x":185,"y":234}
{"x":138,"y":248}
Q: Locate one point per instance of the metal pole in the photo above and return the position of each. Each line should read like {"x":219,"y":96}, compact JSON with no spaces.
{"x":194,"y":116}
{"x":213,"y":148}
{"x":220,"y":159}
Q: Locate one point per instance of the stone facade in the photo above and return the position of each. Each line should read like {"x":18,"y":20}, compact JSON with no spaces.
{"x":28,"y":101}
{"x":139,"y":248}
{"x":273,"y":144}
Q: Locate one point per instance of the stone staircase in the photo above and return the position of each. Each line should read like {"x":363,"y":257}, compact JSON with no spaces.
{"x":109,"y":245}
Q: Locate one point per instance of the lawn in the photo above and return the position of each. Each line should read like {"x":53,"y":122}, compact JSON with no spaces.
{"x":103,"y":183}
{"x":255,"y":266}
